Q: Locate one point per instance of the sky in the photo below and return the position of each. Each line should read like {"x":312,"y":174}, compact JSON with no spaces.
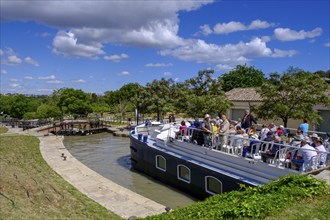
{"x":101,"y":45}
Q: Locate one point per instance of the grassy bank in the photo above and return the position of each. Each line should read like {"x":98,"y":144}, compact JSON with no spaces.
{"x":292,"y":197}
{"x":3,"y":130}
{"x":30,"y":189}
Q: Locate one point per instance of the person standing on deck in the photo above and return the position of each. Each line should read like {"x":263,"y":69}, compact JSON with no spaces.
{"x":247,"y":120}
{"x":207,"y":128}
{"x":304,"y":127}
{"x":224,"y":130}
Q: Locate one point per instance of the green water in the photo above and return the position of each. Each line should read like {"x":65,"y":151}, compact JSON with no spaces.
{"x":110,"y":156}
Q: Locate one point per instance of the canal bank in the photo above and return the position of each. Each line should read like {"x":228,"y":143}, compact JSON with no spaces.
{"x":107,"y":193}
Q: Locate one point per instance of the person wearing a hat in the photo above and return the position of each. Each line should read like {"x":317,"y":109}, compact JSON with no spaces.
{"x":207,"y":128}
{"x":321,"y":151}
{"x":296,"y":141}
{"x":263,"y":132}
{"x":304,"y":156}
{"x":314,"y":138}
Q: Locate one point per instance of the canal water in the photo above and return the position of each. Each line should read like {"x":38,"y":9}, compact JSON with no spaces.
{"x":109,"y":156}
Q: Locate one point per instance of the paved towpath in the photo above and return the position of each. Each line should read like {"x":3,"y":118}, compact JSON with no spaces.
{"x":114,"y":197}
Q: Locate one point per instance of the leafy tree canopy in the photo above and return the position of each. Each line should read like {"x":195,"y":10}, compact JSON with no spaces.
{"x":204,"y":95}
{"x":48,"y":110}
{"x":242,"y":77}
{"x":293,"y":95}
{"x":73,"y":101}
{"x":159,"y":96}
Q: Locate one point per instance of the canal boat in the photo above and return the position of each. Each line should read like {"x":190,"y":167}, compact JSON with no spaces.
{"x":200,"y":169}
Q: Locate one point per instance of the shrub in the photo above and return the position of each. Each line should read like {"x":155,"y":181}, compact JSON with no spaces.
{"x":252,"y":202}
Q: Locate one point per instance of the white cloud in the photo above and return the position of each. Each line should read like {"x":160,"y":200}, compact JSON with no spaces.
{"x":221,"y":67}
{"x":12,"y":60}
{"x":1,"y":52}
{"x":78,"y":81}
{"x":13,"y":80}
{"x":205,"y":29}
{"x":31,"y":61}
{"x":4,"y":72}
{"x":10,"y":52}
{"x":167,"y":74}
{"x":124,"y":73}
{"x":286,"y":34}
{"x":283,"y":53}
{"x":266,"y":38}
{"x":67,"y":44}
{"x":158,"y":64}
{"x":55,"y":81}
{"x":152,"y":24}
{"x":15,"y":85}
{"x":116,"y":57}
{"x":28,"y":77}
{"x":234,"y":26}
{"x":327,"y":44}
{"x":51,"y":77}
{"x":226,"y":56}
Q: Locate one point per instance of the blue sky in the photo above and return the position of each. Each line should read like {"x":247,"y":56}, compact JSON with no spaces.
{"x":101,"y":45}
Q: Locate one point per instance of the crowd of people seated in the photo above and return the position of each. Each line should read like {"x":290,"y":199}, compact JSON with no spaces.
{"x":220,"y":132}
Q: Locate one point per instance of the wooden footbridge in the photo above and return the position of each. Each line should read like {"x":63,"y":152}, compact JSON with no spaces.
{"x":76,"y":127}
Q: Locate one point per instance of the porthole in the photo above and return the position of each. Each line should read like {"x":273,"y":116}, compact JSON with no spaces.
{"x":161,"y":163}
{"x":213,"y":185}
{"x":183,"y":173}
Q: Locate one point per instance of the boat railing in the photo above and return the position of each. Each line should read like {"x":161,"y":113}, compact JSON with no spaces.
{"x":272,"y":153}
{"x":147,"y":130}
{"x":310,"y":132}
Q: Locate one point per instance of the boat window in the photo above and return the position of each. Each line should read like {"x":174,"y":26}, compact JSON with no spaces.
{"x":184,"y":173}
{"x":213,"y":185}
{"x":161,"y":163}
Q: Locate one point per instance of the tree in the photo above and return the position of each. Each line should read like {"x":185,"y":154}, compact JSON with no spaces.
{"x":18,"y":106}
{"x":242,"y":77}
{"x":100,"y":108}
{"x":293,"y":96}
{"x":73,"y":101}
{"x":120,"y":109}
{"x":49,"y":110}
{"x":159,"y":96}
{"x":5,"y":102}
{"x":140,"y":101}
{"x":204,"y":95}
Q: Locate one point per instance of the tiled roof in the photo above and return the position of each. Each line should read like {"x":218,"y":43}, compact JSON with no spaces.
{"x":244,"y":94}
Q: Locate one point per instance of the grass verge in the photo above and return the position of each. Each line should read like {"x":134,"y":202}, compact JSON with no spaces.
{"x":3,"y":130}
{"x":291,"y":197}
{"x":30,"y":189}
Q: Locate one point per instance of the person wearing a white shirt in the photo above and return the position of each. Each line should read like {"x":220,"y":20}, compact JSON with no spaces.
{"x":321,"y":151}
{"x":304,"y":155}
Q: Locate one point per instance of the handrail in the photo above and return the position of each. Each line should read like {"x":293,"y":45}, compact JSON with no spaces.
{"x":197,"y":136}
